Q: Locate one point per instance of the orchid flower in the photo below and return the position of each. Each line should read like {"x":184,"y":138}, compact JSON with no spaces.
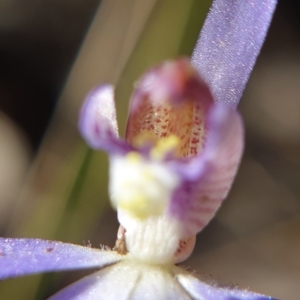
{"x":183,"y":145}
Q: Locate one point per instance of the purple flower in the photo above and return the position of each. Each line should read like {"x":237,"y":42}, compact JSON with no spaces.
{"x":183,"y":145}
{"x":177,"y":164}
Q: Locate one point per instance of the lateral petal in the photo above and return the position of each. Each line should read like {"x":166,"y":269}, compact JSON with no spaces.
{"x":207,"y":177}
{"x":98,"y":123}
{"x":203,"y":291}
{"x":20,"y":257}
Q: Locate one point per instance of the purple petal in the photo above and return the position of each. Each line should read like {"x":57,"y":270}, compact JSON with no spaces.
{"x":207,"y":177}
{"x":20,"y":257}
{"x":98,"y":123}
{"x":229,"y":44}
{"x":200,"y":290}
{"x":134,"y":280}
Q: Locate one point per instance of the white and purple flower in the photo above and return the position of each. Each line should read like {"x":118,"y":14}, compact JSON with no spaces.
{"x":183,"y":145}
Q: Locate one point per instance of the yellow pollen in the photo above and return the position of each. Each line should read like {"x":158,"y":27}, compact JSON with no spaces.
{"x":165,"y":146}
{"x":145,"y":137}
{"x":161,"y":146}
{"x":134,"y":157}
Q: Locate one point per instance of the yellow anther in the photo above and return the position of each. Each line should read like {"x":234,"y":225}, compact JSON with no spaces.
{"x":134,"y":157}
{"x":164,"y":146}
{"x":145,"y":137}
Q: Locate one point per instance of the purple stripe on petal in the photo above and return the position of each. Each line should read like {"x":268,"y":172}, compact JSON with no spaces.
{"x":207,"y":177}
{"x":229,"y":44}
{"x":200,"y":290}
{"x":98,"y":123}
{"x":20,"y":257}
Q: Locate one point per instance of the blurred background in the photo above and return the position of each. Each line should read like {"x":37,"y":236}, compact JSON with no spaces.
{"x":53,"y":187}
